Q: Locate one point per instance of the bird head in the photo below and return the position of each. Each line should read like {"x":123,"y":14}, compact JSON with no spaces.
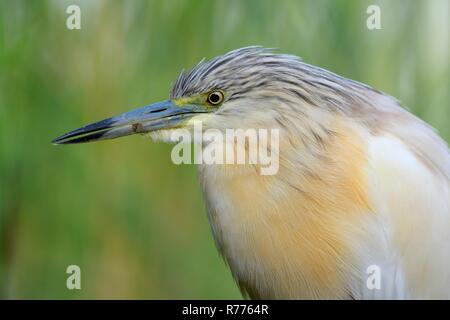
{"x":251,"y":87}
{"x":222,"y":93}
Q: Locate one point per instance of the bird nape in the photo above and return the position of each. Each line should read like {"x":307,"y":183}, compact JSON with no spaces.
{"x":359,"y":207}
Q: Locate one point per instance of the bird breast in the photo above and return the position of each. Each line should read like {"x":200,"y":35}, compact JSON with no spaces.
{"x":286,"y":235}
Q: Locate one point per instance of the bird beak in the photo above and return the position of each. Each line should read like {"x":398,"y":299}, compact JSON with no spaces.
{"x":161,"y":115}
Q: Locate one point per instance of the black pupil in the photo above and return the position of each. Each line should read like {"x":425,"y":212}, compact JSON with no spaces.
{"x":214,"y":98}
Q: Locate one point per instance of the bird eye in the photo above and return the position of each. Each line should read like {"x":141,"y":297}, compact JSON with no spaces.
{"x":215,"y":97}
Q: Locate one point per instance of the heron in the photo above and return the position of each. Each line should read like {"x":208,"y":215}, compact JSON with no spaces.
{"x":360,"y":205}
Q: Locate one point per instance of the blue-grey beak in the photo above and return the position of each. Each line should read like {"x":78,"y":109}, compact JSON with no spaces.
{"x":160,"y":115}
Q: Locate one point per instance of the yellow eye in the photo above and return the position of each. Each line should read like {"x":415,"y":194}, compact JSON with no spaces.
{"x":215,"y":98}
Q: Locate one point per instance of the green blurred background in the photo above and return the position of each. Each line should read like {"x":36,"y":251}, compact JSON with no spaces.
{"x":133,"y":221}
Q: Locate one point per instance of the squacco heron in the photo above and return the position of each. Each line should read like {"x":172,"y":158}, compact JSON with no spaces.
{"x":362,"y":188}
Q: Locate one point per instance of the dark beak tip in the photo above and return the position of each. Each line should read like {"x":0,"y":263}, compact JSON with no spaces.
{"x":60,"y":140}
{"x":56,"y":142}
{"x":94,"y":130}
